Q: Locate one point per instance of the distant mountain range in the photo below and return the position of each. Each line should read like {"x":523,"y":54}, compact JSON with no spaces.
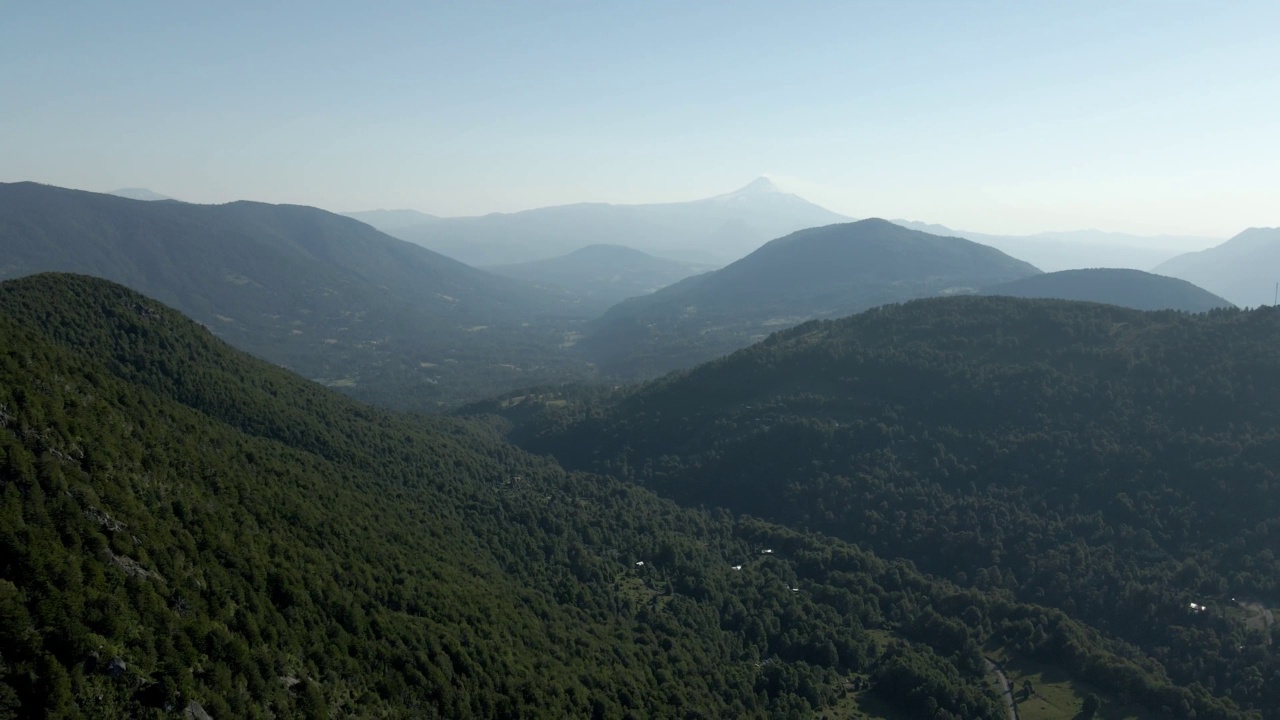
{"x":1244,"y":269}
{"x":326,"y":295}
{"x":1079,"y":249}
{"x":714,"y":230}
{"x":823,"y":272}
{"x":724,"y":228}
{"x":139,"y":194}
{"x":600,"y":276}
{"x":387,"y":220}
{"x":391,"y":322}
{"x":1126,"y":288}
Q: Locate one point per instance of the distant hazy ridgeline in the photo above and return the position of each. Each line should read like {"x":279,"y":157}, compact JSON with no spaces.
{"x":714,"y":230}
{"x":1244,"y":269}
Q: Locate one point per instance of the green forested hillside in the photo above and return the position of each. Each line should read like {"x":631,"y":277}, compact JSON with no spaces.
{"x":821,"y":272}
{"x":1126,"y":288}
{"x":325,"y":295}
{"x":182,"y":525}
{"x":1114,"y":464}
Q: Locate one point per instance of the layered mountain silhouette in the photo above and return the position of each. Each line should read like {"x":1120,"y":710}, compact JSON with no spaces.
{"x":600,"y":276}
{"x":1079,"y":249}
{"x":323,"y":294}
{"x":815,"y":273}
{"x":714,"y":230}
{"x":1126,"y":288}
{"x":1244,"y":269}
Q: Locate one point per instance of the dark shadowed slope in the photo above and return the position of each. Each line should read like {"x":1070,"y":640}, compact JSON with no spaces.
{"x":713,"y":230}
{"x":820,"y":272}
{"x":1126,"y":288}
{"x":323,"y":294}
{"x":1244,"y":269}
{"x":600,"y":276}
{"x":185,"y":529}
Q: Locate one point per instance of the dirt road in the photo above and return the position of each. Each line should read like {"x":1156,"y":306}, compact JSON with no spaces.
{"x":1005,"y":689}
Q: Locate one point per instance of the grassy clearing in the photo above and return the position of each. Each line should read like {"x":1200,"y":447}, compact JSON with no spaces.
{"x":636,"y":589}
{"x":1054,"y":695}
{"x":1057,"y":697}
{"x":861,"y":705}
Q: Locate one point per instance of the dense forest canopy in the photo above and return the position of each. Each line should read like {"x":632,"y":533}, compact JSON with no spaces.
{"x":1114,"y":464}
{"x":187,"y":528}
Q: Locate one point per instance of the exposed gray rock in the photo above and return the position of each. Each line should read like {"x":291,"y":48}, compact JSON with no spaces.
{"x":195,"y":712}
{"x":131,"y":567}
{"x":103,"y":519}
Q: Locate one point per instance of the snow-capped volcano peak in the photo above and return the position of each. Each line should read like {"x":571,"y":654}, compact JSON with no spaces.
{"x":761,"y":184}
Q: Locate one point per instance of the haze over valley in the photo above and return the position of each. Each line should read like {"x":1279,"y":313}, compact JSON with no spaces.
{"x":573,"y":360}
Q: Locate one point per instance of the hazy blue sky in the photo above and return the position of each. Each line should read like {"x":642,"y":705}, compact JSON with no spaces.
{"x":997,"y":116}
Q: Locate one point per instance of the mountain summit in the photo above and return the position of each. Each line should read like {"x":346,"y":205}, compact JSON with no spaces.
{"x":820,"y":272}
{"x":761,"y":184}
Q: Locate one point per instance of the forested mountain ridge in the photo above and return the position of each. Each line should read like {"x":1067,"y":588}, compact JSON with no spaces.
{"x":322,"y":294}
{"x":1115,"y":464}
{"x":183,"y":527}
{"x":1126,"y":288}
{"x":821,"y":272}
